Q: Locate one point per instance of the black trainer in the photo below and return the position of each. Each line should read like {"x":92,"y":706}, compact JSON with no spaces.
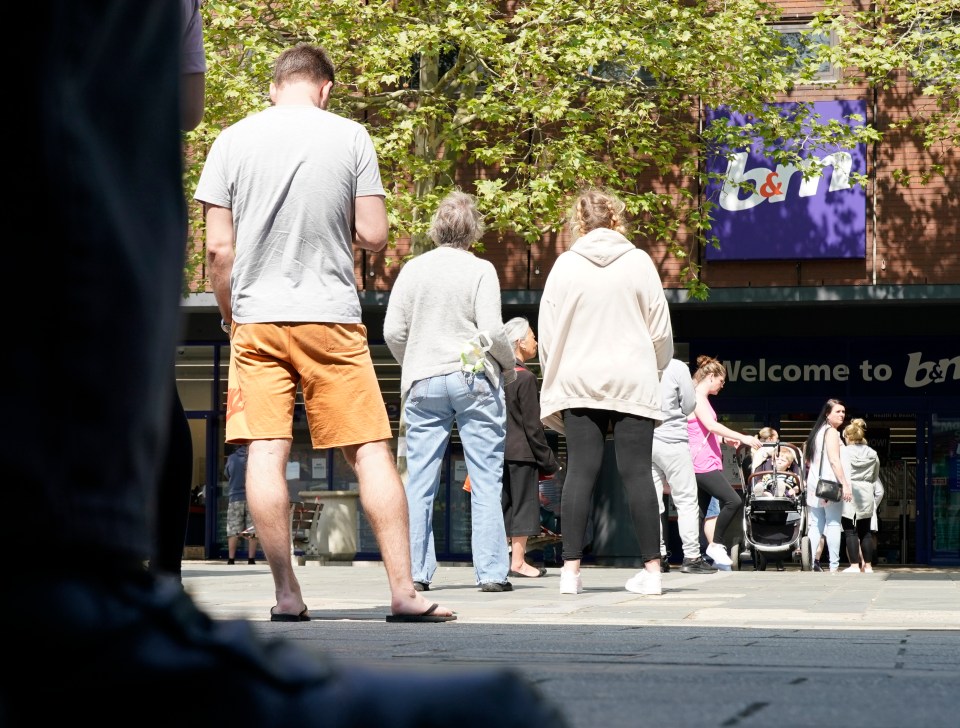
{"x":421,"y":586}
{"x":496,"y":586}
{"x":697,"y":566}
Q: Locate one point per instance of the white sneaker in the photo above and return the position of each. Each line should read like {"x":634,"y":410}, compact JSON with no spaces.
{"x":570,"y":583}
{"x":718,"y":552}
{"x":648,"y":583}
{"x":855,"y":569}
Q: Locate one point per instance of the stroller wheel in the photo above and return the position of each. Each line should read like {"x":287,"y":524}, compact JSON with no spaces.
{"x":806,"y":554}
{"x":760,"y":561}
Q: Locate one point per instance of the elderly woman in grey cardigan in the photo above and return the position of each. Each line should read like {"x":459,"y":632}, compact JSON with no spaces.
{"x":444,"y":326}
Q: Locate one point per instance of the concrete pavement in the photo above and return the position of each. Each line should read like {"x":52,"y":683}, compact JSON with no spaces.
{"x":735,"y":649}
{"x":890,"y":598}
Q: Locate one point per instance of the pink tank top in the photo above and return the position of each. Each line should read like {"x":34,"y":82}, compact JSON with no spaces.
{"x":704,"y":446}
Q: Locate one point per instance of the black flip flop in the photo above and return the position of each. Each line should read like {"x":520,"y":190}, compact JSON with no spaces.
{"x":304,"y":616}
{"x":427,"y":616}
{"x":543,"y":572}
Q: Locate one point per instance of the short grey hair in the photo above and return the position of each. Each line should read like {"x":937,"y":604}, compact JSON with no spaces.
{"x":457,"y":223}
{"x":516,"y":329}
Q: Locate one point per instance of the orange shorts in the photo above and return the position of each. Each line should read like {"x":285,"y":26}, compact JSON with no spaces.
{"x":330,"y":362}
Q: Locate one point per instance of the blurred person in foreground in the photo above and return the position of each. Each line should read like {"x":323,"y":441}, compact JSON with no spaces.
{"x":103,"y":102}
{"x":176,"y":480}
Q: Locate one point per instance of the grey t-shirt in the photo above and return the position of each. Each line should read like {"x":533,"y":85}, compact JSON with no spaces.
{"x":290,"y":175}
{"x":679,"y":399}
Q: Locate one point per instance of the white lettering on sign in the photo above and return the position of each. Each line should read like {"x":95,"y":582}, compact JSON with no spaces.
{"x":736,"y":371}
{"x":921,"y":373}
{"x":918,"y":372}
{"x":772,"y":184}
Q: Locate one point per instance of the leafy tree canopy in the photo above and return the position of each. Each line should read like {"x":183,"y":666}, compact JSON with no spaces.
{"x":534,"y":98}
{"x":877,"y":44}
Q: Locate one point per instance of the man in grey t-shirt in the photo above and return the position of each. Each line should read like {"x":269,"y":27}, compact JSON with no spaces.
{"x":287,"y":193}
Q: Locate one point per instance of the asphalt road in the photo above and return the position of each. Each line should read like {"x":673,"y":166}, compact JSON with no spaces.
{"x":877,"y":651}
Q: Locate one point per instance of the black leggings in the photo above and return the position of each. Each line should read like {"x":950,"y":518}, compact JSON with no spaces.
{"x":714,"y":485}
{"x":858,"y":538}
{"x":586,"y":431}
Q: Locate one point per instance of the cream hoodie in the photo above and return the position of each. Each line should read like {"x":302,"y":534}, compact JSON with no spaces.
{"x":604,"y":330}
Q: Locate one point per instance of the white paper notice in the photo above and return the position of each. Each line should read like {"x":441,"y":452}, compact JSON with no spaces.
{"x":319,"y":468}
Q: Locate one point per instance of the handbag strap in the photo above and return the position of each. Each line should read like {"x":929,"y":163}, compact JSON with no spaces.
{"x":823,"y":446}
{"x":823,"y":452}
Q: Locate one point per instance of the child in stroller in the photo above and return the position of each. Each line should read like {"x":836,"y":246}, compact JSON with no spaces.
{"x":783,"y":481}
{"x":773,"y":512}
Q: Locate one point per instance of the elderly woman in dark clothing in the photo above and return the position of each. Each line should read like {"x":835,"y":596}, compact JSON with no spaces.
{"x":526,"y":453}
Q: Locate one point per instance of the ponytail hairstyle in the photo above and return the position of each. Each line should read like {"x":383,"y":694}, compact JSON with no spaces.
{"x":707,"y":365}
{"x":768,"y":434}
{"x":856,"y":432}
{"x":597,"y":208}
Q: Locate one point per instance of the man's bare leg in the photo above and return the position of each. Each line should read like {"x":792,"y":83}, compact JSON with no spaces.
{"x":269,"y":502}
{"x":385,"y":504}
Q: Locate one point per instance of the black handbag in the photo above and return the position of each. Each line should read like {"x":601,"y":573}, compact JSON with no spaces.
{"x":829,"y":490}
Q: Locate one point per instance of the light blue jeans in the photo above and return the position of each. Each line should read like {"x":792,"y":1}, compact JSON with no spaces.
{"x":479,"y":409}
{"x":826,"y":520}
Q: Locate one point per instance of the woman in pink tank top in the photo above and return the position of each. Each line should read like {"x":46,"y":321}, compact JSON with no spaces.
{"x":704,"y":433}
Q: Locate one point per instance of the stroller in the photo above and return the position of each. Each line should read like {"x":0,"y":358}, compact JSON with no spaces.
{"x":774,"y":514}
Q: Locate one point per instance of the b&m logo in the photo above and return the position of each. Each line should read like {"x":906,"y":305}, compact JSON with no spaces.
{"x":920,"y":373}
{"x":771,"y":185}
{"x":770,"y":212}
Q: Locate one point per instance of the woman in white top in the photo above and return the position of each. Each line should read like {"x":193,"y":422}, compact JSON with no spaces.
{"x":824,"y":516}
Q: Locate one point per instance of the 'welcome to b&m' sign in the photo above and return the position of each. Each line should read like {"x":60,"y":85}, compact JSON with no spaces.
{"x":780,"y":215}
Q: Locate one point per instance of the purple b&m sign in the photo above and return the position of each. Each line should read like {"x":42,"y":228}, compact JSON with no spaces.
{"x":785,"y":216}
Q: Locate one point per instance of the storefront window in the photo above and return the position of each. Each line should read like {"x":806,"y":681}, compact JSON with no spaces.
{"x":945,"y":480}
{"x":458,"y":506}
{"x":201,"y":372}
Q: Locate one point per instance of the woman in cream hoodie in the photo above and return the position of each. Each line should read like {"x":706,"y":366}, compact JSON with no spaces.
{"x":605,"y":337}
